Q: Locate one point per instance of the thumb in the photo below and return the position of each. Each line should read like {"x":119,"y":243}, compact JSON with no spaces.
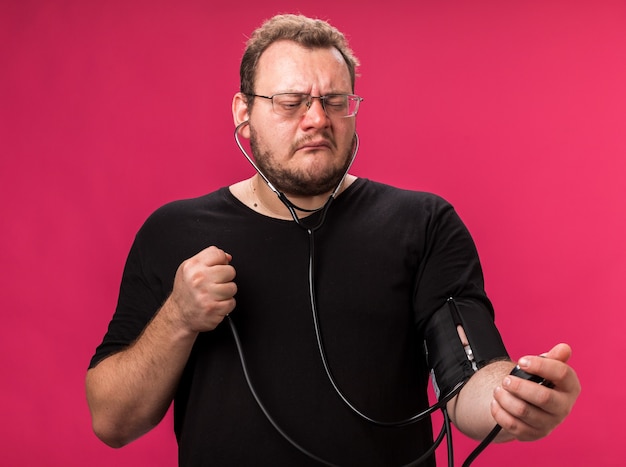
{"x":561,"y":352}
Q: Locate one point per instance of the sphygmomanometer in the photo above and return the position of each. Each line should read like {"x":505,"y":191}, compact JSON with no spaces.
{"x":450,"y":358}
{"x":459,"y":339}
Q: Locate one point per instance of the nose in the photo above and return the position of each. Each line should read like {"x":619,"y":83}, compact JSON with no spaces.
{"x":315,"y":111}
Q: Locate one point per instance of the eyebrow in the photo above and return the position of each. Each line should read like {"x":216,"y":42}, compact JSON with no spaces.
{"x":309,"y":94}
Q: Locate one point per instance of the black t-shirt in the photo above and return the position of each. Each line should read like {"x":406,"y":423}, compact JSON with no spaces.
{"x":385,"y":260}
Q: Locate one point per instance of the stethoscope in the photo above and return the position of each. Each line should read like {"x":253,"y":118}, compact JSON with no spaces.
{"x":440,"y":405}
{"x":286,"y":201}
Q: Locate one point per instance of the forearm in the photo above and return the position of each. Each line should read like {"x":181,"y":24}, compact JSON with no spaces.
{"x":470,"y":410}
{"x":130,"y":391}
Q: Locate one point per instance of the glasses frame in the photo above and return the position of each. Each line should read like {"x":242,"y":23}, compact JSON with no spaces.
{"x":309,"y":101}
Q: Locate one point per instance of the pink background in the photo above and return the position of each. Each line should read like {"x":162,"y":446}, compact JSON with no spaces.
{"x":513,"y":111}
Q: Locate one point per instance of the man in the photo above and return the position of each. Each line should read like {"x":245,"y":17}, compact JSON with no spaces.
{"x":336,"y":286}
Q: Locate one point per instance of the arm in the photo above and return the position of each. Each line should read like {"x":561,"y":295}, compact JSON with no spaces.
{"x":129,"y":392}
{"x":525,"y":410}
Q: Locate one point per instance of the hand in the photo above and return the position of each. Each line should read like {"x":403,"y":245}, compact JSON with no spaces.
{"x":529,"y":411}
{"x":204,"y":290}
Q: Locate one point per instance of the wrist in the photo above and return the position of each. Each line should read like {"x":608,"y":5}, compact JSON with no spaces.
{"x":172,"y":317}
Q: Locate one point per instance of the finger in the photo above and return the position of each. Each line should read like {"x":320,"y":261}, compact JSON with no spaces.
{"x":525,"y":395}
{"x":223,"y":292}
{"x":557,"y":400}
{"x":513,"y":415}
{"x":222,"y":274}
{"x":224,"y":307}
{"x":556,"y":371}
{"x":213,"y":256}
{"x":561,"y":374}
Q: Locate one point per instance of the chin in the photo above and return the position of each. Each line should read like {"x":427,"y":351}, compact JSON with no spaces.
{"x":309,"y":187}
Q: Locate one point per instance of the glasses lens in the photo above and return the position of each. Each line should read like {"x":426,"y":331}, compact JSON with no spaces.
{"x":341,"y":105}
{"x":335,"y":105}
{"x":289,"y":104}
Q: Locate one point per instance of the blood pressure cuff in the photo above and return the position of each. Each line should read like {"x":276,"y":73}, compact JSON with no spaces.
{"x":451,"y":362}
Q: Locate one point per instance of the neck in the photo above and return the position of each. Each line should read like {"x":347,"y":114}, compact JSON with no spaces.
{"x":255,"y":193}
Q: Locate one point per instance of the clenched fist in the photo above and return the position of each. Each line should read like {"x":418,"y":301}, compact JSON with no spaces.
{"x":204,"y":290}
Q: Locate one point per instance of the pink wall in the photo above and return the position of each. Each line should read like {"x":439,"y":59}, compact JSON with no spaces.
{"x":514,"y":111}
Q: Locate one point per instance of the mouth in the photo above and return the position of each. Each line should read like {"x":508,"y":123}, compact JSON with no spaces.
{"x":314,"y":145}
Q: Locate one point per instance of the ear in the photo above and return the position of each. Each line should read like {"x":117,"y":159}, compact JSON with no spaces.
{"x":240,"y":113}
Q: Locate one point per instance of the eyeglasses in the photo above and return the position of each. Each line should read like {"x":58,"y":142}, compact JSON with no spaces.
{"x":294,"y":104}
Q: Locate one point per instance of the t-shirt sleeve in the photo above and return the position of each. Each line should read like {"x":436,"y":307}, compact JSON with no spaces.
{"x":451,"y":269}
{"x":139,"y":299}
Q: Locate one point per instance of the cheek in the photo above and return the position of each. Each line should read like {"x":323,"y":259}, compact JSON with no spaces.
{"x":273,"y":133}
{"x":345,"y":135}
{"x":270,"y":142}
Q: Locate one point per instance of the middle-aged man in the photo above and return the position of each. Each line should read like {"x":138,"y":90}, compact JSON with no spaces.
{"x":338,"y":293}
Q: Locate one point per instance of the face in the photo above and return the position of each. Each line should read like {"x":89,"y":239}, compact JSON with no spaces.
{"x":305,"y":155}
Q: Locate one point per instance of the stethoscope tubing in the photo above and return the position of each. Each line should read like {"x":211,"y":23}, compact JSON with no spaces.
{"x":440,"y":405}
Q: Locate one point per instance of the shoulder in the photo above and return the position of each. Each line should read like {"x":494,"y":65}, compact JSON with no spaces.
{"x":176,"y":218}
{"x":184,"y":209}
{"x":392,"y":198}
{"x":190,"y":205}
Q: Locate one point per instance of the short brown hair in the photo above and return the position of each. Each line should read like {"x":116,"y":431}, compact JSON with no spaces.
{"x":308,"y":32}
